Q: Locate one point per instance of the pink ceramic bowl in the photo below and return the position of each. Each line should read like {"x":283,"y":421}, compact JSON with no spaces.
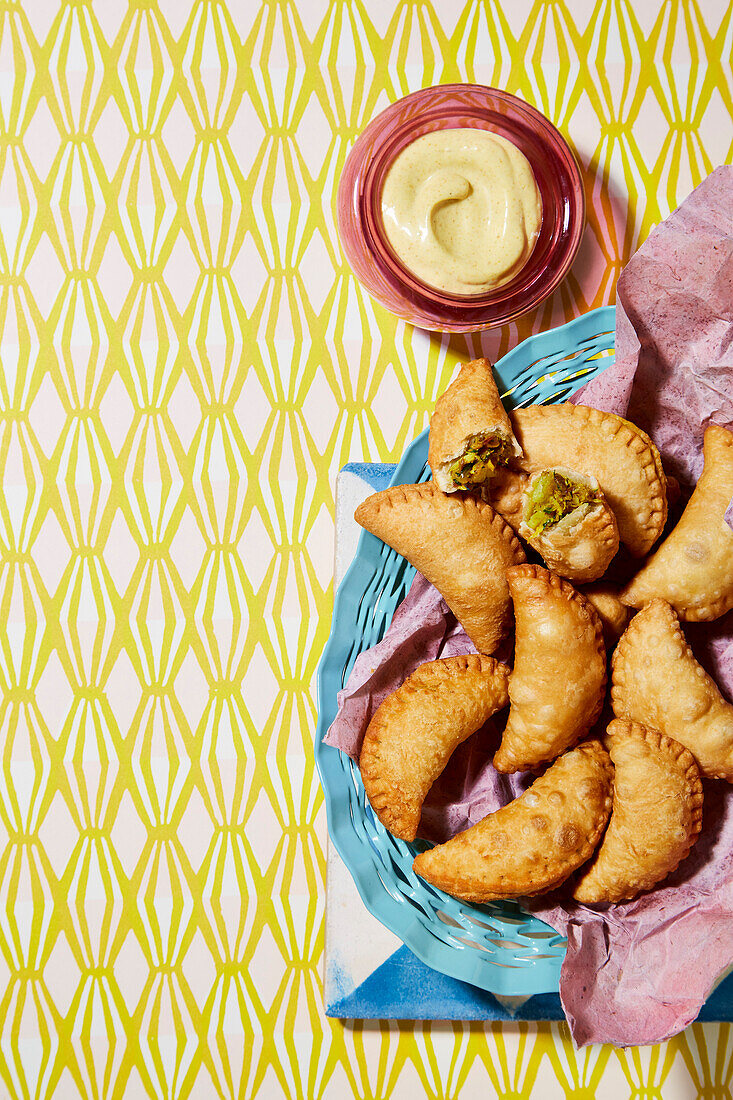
{"x":448,"y":106}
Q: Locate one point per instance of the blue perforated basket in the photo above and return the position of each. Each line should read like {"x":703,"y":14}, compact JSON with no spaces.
{"x":497,"y":947}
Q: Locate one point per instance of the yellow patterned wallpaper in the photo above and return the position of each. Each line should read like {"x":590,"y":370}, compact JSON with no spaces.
{"x":186,"y":363}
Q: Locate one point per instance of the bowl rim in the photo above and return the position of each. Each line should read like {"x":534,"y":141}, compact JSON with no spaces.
{"x":365,"y":244}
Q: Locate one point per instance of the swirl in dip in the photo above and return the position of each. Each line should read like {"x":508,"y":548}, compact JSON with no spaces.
{"x":461,"y":210}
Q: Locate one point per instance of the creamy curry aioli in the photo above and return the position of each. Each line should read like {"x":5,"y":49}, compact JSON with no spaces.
{"x":461,"y":210}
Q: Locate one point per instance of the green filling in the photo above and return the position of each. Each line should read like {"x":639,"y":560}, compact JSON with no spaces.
{"x":553,"y":496}
{"x":478,"y":462}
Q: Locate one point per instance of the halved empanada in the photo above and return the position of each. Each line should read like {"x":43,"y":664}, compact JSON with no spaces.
{"x":470,"y":432}
{"x":693,"y":568}
{"x":656,"y":816}
{"x":613,"y":614}
{"x":459,"y":544}
{"x":414,"y":732}
{"x":559,"y":678}
{"x":566,"y":519}
{"x":657,"y":681}
{"x":619,"y":455}
{"x":535,"y":842}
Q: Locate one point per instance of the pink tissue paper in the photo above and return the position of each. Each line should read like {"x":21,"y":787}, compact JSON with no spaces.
{"x":637,"y":972}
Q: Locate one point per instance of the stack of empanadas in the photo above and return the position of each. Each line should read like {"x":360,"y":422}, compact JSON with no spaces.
{"x":614,"y":814}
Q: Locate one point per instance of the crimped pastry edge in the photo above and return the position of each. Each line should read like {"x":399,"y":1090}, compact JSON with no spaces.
{"x":620,"y":727}
{"x":595,"y":748}
{"x":619,"y":693}
{"x":381,"y":795}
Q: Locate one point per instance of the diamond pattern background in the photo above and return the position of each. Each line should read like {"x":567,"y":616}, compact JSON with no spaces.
{"x":186,"y":363}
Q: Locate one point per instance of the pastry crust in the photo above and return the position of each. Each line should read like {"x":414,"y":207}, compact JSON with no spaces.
{"x":557,"y":686}
{"x":613,"y":614}
{"x":582,"y":544}
{"x":619,"y":455}
{"x":535,"y":842}
{"x":469,"y":408}
{"x":459,"y":543}
{"x":506,"y":494}
{"x":657,"y":681}
{"x":656,"y":816}
{"x":416,"y":729}
{"x":693,"y":568}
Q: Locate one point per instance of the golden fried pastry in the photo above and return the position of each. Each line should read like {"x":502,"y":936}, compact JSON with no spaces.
{"x":559,"y":678}
{"x":693,"y":568}
{"x":566,"y":519}
{"x":535,"y":842}
{"x":657,"y":681}
{"x":470,"y":432}
{"x":619,"y":455}
{"x":506,"y":494}
{"x":613,"y":614}
{"x":413,"y":733}
{"x":656,"y":816}
{"x":459,"y":544}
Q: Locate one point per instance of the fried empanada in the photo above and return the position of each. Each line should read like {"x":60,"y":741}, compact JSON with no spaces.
{"x":657,"y":681}
{"x":619,"y":455}
{"x":557,"y":685}
{"x":460,"y":544}
{"x":567,"y":520}
{"x":656,"y":816}
{"x":506,"y":494}
{"x":535,"y":842}
{"x":470,"y":431}
{"x":613,"y":614}
{"x":693,"y":568}
{"x":415,"y":730}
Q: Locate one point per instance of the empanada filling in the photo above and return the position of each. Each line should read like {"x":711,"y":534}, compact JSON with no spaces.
{"x":554,"y":495}
{"x":478,"y":462}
